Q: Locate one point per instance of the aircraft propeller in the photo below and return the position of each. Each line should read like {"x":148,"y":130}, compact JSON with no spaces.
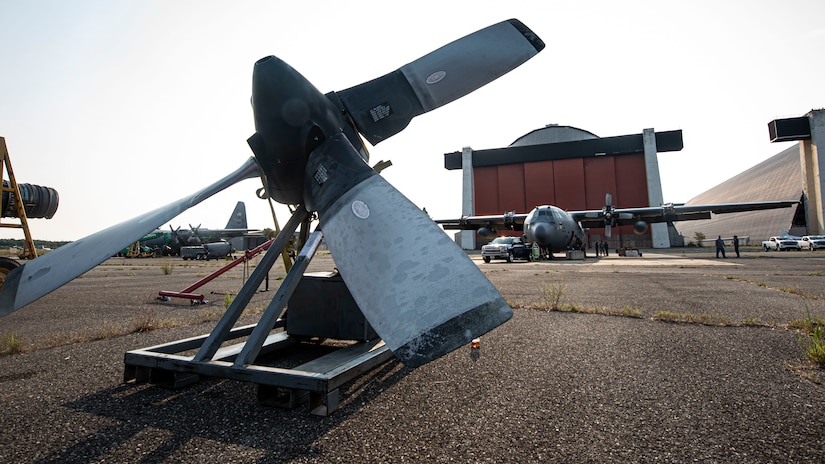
{"x":418,"y":289}
{"x":611,"y":218}
{"x":194,"y":235}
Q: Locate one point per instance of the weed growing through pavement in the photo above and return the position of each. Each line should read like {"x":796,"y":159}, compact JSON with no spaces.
{"x":702,"y":318}
{"x":812,"y":338}
{"x":166,"y":268}
{"x":10,"y":344}
{"x":227,"y":299}
{"x":149,"y":321}
{"x":552,"y":293}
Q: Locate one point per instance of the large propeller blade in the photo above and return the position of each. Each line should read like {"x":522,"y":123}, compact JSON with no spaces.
{"x":384,"y":106}
{"x":420,"y":292}
{"x":46,"y":273}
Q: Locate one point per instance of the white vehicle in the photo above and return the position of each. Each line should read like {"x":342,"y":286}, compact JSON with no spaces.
{"x":812,"y":242}
{"x":780,"y":244}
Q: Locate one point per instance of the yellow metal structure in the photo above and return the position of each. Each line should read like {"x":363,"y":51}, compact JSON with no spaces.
{"x":29,"y":251}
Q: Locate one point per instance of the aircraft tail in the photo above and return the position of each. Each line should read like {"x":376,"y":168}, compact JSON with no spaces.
{"x":238,"y":218}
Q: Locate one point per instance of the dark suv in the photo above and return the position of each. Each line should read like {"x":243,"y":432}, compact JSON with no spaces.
{"x":508,"y":248}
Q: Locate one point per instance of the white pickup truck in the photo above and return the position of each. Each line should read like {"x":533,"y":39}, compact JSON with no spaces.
{"x":812,"y":242}
{"x":780,"y":244}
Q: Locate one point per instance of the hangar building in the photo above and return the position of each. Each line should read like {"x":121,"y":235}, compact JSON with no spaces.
{"x":574,"y":169}
{"x":570,"y":168}
{"x":792,"y":174}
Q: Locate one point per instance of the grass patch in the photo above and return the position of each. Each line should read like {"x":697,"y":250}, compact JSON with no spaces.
{"x":812,"y":338}
{"x":703,"y":318}
{"x":10,"y":344}
{"x":552,"y":293}
{"x":150,"y":321}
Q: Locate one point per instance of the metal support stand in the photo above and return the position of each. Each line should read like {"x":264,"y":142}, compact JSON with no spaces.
{"x":317,"y":380}
{"x":29,"y":251}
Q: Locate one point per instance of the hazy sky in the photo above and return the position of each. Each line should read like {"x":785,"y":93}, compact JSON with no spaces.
{"x":126,"y":106}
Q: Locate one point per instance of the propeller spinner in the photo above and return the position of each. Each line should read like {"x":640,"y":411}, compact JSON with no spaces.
{"x":417,"y":288}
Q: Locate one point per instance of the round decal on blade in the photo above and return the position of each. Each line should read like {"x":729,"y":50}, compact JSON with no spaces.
{"x":436,"y":77}
{"x":360,"y":209}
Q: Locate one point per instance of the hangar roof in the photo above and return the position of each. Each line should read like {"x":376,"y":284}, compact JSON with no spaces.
{"x":569,"y":142}
{"x":777,"y":178}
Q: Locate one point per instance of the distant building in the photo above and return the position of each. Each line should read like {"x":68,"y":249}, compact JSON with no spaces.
{"x":574,"y":169}
{"x":777,"y":178}
{"x":570,"y":168}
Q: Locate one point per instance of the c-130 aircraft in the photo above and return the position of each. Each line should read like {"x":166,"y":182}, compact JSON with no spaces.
{"x":557,"y":230}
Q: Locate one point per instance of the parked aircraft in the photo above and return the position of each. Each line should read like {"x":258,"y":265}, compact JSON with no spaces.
{"x":170,"y":241}
{"x":558,"y":230}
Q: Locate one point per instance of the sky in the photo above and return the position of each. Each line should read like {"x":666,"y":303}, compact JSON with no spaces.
{"x":126,"y":106}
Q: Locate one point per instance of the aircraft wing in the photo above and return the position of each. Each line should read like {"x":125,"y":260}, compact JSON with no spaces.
{"x":236,"y":232}
{"x":511,"y":221}
{"x":671,"y":213}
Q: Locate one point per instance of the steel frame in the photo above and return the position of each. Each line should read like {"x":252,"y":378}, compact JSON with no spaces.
{"x":318,"y":380}
{"x":29,"y":251}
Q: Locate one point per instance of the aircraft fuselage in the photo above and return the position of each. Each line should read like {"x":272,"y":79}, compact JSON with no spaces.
{"x":553,"y":228}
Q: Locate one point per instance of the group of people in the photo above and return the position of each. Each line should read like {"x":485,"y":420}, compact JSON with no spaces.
{"x":601,"y":249}
{"x":720,"y":246}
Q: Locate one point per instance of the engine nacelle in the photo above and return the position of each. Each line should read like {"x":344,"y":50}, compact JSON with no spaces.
{"x":487,"y":232}
{"x":639,"y":227}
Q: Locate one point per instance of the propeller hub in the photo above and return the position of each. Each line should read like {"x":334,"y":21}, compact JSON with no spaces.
{"x":292,"y":118}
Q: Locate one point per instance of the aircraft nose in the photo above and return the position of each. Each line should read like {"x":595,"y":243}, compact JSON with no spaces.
{"x":542,"y":233}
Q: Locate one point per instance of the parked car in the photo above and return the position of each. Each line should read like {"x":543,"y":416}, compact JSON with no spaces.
{"x":508,"y":248}
{"x":780,"y":244}
{"x":812,"y":242}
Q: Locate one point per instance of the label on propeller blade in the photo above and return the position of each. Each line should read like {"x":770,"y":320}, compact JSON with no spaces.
{"x":380,"y":112}
{"x":360,"y":209}
{"x":436,"y":77}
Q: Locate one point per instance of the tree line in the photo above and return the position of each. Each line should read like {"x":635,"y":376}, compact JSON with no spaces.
{"x":13,"y":242}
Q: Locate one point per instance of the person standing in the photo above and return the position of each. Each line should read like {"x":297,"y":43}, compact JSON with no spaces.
{"x":736,"y":245}
{"x":720,"y":246}
{"x":604,"y":248}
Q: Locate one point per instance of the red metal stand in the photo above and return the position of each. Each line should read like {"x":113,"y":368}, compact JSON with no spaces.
{"x":198,"y":297}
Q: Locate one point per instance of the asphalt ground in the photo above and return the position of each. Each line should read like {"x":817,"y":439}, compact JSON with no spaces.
{"x":609,"y":377}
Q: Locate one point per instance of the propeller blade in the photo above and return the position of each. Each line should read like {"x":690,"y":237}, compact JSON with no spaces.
{"x":420,"y":292}
{"x":607,"y":230}
{"x":42,"y":275}
{"x":384,"y":106}
{"x":608,"y":199}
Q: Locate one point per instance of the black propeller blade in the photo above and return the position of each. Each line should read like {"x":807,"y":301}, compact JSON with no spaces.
{"x":383,"y":107}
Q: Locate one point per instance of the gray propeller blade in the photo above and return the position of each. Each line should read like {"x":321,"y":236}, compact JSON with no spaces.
{"x":384,"y":106}
{"x":420,"y":292}
{"x":42,"y":275}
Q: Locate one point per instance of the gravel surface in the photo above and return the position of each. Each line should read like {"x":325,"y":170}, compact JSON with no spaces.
{"x":568,"y":386}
